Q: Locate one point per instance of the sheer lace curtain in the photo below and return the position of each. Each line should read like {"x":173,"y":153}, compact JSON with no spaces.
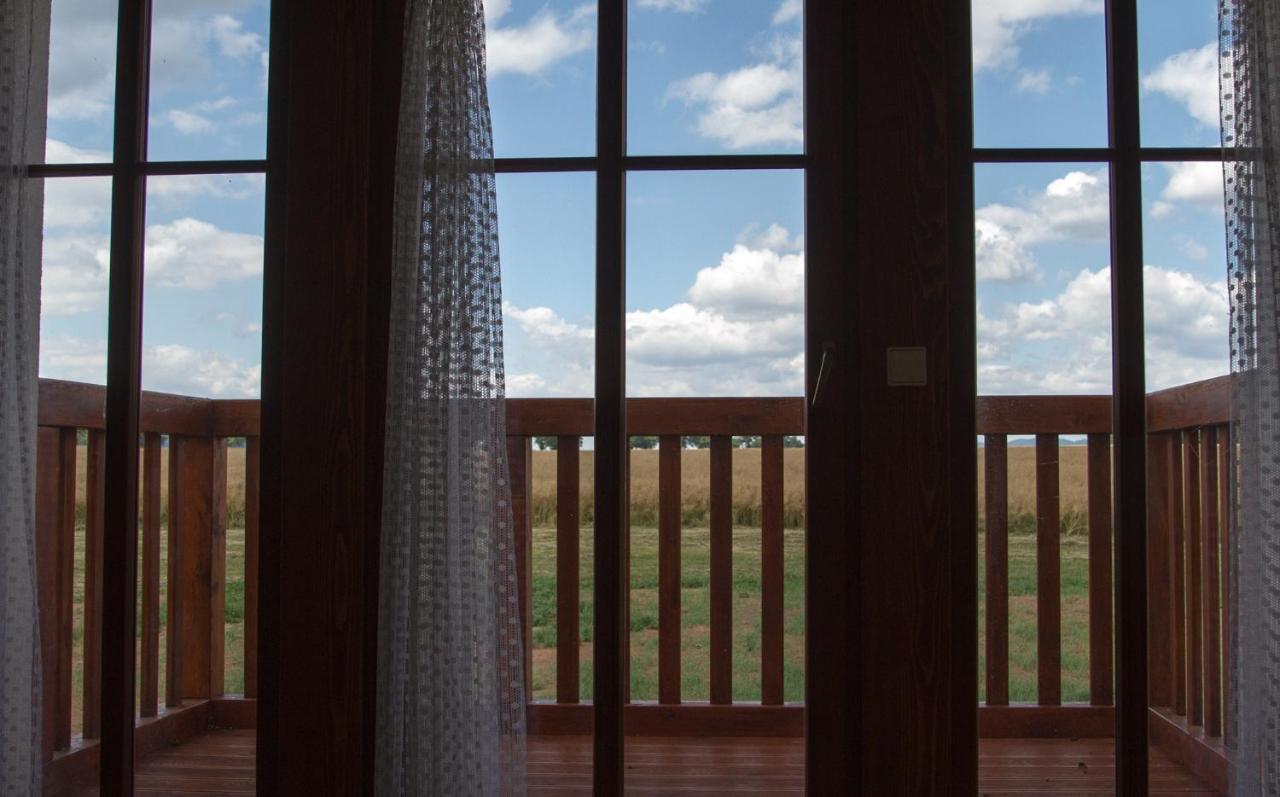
{"x":1250,"y":82}
{"x":20,"y":764}
{"x":450,"y":671}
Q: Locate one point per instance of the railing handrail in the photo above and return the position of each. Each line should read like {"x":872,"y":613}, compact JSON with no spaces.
{"x":1204,"y":403}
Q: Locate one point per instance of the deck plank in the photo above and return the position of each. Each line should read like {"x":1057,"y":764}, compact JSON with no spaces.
{"x":222,"y":762}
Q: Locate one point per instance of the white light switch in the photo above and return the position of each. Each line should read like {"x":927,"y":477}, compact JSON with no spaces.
{"x":907,"y":366}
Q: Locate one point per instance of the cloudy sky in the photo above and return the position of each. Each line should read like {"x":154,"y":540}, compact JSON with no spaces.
{"x":716,"y":261}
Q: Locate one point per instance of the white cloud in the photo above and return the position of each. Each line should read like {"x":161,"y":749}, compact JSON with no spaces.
{"x":1063,"y":344}
{"x":1034,"y":82}
{"x":752,"y":106}
{"x":739,"y":331}
{"x":1197,"y":184}
{"x":999,"y":24}
{"x":189,"y":253}
{"x":1190,"y":78}
{"x":168,"y":368}
{"x":74,"y":275}
{"x":1075,"y":206}
{"x":495,"y":10}
{"x":189,"y":123}
{"x":56,"y":151}
{"x":787,"y":11}
{"x":233,"y":40}
{"x":185,"y":34}
{"x":686,"y":6}
{"x":546,"y":39}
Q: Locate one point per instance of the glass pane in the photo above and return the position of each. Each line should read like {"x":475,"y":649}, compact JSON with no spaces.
{"x":1044,"y":329}
{"x":1178,"y":56}
{"x":715,"y":77}
{"x":541,"y":56}
{"x":202,"y":333}
{"x":208,"y":80}
{"x":1039,"y":74}
{"x":82,"y":66}
{"x":715,"y":284}
{"x":73,"y":289}
{"x":547,"y":228}
{"x":1185,"y":278}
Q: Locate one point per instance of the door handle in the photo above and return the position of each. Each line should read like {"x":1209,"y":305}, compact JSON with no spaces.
{"x":825,"y":364}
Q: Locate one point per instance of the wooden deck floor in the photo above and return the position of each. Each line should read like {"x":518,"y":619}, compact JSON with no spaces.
{"x":221,"y":762}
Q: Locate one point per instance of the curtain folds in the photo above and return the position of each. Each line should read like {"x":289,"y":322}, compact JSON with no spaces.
{"x":1250,"y":91}
{"x":20,"y":764}
{"x":451,"y":704}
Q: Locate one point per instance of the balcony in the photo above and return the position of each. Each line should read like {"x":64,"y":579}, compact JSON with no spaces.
{"x":198,"y":592}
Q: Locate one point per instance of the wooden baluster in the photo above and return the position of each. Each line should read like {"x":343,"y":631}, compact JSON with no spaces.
{"x":1178,"y":570}
{"x":721,"y":570}
{"x":252,"y":519}
{"x":1100,"y":617}
{"x":1210,"y":604}
{"x":95,"y":496}
{"x":149,"y":666}
{"x":1158,"y":574}
{"x":173,"y":578}
{"x":567,"y":564}
{"x":217,"y":583}
{"x":1195,"y":616}
{"x":771,"y":565}
{"x":55,"y":563}
{"x":669,"y":523}
{"x":1226,"y":481}
{"x":995,"y":460}
{"x":1048,"y":572}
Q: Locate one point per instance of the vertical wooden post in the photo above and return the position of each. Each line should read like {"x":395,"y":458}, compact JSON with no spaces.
{"x":173,"y":646}
{"x":1210,"y":598}
{"x":669,"y":522}
{"x":721,"y":570}
{"x":149,"y":687}
{"x":520,"y":478}
{"x":197,"y":512}
{"x":1048,"y":573}
{"x":252,"y":503}
{"x":95,"y":494}
{"x":996,"y":484}
{"x":1195,"y":616}
{"x":1100,"y":629}
{"x":1178,"y":571}
{"x":772,"y":585}
{"x":568,"y":671}
{"x":1159,"y":629}
{"x":55,"y":549}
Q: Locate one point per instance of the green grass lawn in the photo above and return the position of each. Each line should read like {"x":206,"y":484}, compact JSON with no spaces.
{"x":695,"y":659}
{"x":695,"y":611}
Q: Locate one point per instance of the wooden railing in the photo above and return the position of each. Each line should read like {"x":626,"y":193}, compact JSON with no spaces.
{"x":193,"y":434}
{"x":1190,"y":460}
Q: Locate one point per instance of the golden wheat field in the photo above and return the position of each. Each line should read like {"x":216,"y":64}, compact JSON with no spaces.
{"x":695,"y":485}
{"x":235,"y":483}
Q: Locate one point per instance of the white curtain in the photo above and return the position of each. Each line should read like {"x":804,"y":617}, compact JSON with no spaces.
{"x":451,"y":699}
{"x":1250,"y":84}
{"x":20,"y":764}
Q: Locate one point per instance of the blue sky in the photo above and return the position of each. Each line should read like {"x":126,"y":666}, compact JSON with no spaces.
{"x":716,"y":261}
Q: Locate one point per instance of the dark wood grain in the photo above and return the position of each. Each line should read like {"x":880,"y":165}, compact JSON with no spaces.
{"x":216,"y":580}
{"x":771,"y":575}
{"x":1159,"y":586}
{"x":1178,"y":570}
{"x":1226,"y":482}
{"x":1100,"y":628}
{"x":995,"y":459}
{"x":1203,"y":403}
{"x":721,"y":642}
{"x":252,"y":525}
{"x":520,"y":471}
{"x":1043,"y":414}
{"x":51,"y":554}
{"x":95,"y":496}
{"x":567,"y":569}
{"x":66,"y":582}
{"x":149,"y":665}
{"x":177,"y":553}
{"x":1195,"y":545}
{"x":1048,"y":573}
{"x":669,"y":523}
{"x":1211,"y":624}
